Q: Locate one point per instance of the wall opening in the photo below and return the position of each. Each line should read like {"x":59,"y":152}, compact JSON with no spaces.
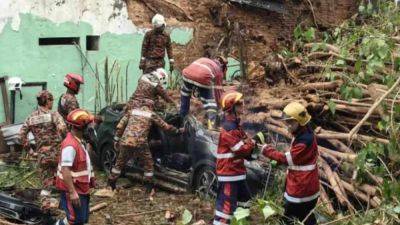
{"x":59,"y":41}
{"x":92,"y":42}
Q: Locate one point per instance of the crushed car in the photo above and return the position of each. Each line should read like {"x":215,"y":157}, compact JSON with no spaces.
{"x":182,"y":163}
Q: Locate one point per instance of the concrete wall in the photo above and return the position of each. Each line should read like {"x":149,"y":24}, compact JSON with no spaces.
{"x":23,"y":22}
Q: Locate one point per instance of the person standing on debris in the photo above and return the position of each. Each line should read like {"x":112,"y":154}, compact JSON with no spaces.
{"x":302,"y":180}
{"x":47,"y":128}
{"x":155,"y":43}
{"x":75,"y":174}
{"x":206,"y":76}
{"x":131,"y":134}
{"x":234,"y":146}
{"x":68,"y":102}
{"x":150,"y":87}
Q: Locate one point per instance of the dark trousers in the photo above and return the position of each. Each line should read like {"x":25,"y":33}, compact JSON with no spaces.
{"x":74,"y":215}
{"x":300,"y":211}
{"x":206,"y":97}
{"x":230,"y":196}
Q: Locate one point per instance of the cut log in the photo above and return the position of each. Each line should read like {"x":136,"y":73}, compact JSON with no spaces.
{"x":350,"y":157}
{"x":326,"y":201}
{"x":375,"y":95}
{"x":340,"y":146}
{"x":369,"y":189}
{"x":338,"y":101}
{"x":344,"y":136}
{"x":335,"y":186}
{"x":374,"y":202}
{"x":98,"y":207}
{"x":321,"y":86}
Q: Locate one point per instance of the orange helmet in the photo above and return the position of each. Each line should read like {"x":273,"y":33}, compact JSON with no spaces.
{"x":79,"y":118}
{"x":72,"y":81}
{"x":230,"y":99}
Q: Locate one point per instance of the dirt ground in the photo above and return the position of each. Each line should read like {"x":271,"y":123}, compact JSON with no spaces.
{"x":131,"y":206}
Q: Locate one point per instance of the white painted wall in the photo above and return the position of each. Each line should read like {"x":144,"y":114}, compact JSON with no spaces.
{"x":103,"y":15}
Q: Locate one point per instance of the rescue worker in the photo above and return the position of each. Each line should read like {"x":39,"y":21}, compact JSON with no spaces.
{"x":150,"y":86}
{"x":302,"y":180}
{"x":234,"y":146}
{"x":75,"y":174}
{"x":68,"y":102}
{"x":131,"y":134}
{"x":206,"y":76}
{"x":155,"y":43}
{"x":47,"y":128}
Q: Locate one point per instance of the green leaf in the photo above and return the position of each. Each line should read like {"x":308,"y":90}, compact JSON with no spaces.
{"x":397,"y":64}
{"x":332,"y":107}
{"x":357,"y":92}
{"x":396,"y":209}
{"x":340,"y":62}
{"x":241,"y":213}
{"x":268,"y":211}
{"x":357,"y":66}
{"x":309,"y":35}
{"x":186,"y":217}
{"x":297,"y":32}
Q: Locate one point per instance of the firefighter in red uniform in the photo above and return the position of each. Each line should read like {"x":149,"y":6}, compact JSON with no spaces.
{"x":68,"y":101}
{"x":206,"y":75}
{"x":75,"y":173}
{"x":302,"y":180}
{"x":234,"y":146}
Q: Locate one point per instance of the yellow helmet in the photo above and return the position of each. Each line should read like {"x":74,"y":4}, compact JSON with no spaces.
{"x":298,"y":112}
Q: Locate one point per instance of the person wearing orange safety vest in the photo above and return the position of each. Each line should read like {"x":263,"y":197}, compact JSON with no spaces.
{"x":233,"y":147}
{"x":75,"y":174}
{"x":206,"y":76}
{"x":302,"y":179}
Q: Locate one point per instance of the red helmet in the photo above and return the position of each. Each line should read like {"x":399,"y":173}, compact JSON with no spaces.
{"x":79,"y":118}
{"x":72,"y":81}
{"x":230,"y":99}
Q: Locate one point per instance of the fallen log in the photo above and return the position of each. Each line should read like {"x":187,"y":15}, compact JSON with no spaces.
{"x":141,"y":213}
{"x":350,"y":103}
{"x":329,"y":47}
{"x":374,"y":202}
{"x":98,"y":207}
{"x":350,"y":157}
{"x":329,"y":175}
{"x":326,"y":201}
{"x":372,"y":109}
{"x":344,"y":136}
{"x":369,"y":189}
{"x":321,"y":86}
{"x":340,"y":146}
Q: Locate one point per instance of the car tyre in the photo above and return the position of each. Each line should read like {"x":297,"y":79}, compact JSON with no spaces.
{"x":108,"y":157}
{"x":206,"y":183}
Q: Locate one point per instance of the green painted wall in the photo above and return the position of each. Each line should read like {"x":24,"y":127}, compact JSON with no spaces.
{"x":22,"y":56}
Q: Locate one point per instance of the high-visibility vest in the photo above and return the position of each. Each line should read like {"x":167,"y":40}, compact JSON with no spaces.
{"x":79,"y":169}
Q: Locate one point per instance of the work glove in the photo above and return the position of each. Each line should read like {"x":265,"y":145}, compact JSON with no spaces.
{"x":259,"y":138}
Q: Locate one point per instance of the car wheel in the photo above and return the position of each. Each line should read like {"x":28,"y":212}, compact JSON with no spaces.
{"x":108,"y":157}
{"x":206,"y":183}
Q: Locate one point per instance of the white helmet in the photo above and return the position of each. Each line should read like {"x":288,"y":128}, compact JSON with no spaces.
{"x":158,"y":20}
{"x":162,"y":76}
{"x":14,"y":84}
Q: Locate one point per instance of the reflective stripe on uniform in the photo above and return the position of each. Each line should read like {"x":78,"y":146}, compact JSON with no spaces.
{"x":184,"y":93}
{"x":116,"y":171}
{"x":225,"y":155}
{"x":223,"y":215}
{"x":297,"y":167}
{"x":219,"y":223}
{"x":73,"y":174}
{"x":207,"y":100}
{"x":300,"y":200}
{"x":206,"y":67}
{"x":142,"y":113}
{"x":150,"y":174}
{"x":237,"y":146}
{"x":44,"y":118}
{"x":231,"y":178}
{"x":289,"y":158}
{"x":303,"y":168}
{"x":211,"y":104}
